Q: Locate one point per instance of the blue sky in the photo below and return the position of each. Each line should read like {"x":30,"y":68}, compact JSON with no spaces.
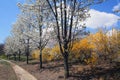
{"x":9,"y":12}
{"x":8,"y":15}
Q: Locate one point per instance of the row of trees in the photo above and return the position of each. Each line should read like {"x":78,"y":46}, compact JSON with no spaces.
{"x":44,"y":20}
{"x":92,"y":49}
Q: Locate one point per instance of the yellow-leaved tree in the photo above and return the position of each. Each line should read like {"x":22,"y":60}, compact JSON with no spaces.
{"x":46,"y":54}
{"x":35,"y":54}
{"x":114,"y":45}
{"x":106,"y":45}
{"x":100,"y":41}
{"x":55,"y":53}
{"x":83,"y":50}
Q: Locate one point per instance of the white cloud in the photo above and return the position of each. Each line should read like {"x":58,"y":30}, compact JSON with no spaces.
{"x":101,"y":19}
{"x":111,"y":32}
{"x":116,"y":8}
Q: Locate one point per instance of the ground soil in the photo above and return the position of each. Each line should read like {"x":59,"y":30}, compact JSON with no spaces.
{"x":6,"y":72}
{"x":55,"y":71}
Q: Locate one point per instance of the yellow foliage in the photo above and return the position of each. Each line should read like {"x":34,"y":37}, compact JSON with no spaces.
{"x":100,"y":41}
{"x":86,"y":48}
{"x":83,"y":46}
{"x":45,"y":54}
{"x":55,"y":50}
{"x":35,"y":54}
{"x":48,"y":54}
{"x":55,"y":53}
{"x":92,"y":60}
{"x":104,"y":44}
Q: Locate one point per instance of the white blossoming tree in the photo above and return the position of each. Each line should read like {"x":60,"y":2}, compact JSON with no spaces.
{"x":36,"y":15}
{"x":68,"y":14}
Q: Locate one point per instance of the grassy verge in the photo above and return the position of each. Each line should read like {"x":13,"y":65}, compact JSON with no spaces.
{"x":6,"y":71}
{"x":23,"y":58}
{"x":3,"y":57}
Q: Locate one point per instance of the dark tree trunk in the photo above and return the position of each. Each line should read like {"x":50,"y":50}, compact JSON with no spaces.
{"x":40,"y":59}
{"x":14,"y":56}
{"x":66,"y":66}
{"x":27,"y":55}
{"x":19,"y":55}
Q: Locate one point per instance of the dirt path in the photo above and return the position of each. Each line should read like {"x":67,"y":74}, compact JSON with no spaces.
{"x":21,"y":73}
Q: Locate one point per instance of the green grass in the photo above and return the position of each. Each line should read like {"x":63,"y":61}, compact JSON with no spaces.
{"x":23,"y":58}
{"x":3,"y":56}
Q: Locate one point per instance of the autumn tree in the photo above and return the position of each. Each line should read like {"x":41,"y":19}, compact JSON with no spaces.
{"x":106,"y":44}
{"x":67,"y":15}
{"x":55,"y":53}
{"x":82,"y":49}
{"x":113,"y":44}
{"x":100,"y":41}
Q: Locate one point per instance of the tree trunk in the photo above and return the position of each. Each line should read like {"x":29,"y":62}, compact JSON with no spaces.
{"x":66,"y":66}
{"x":8,"y":57}
{"x":27,"y":52}
{"x":27,"y":58}
{"x":14,"y":57}
{"x":40,"y":59}
{"x":19,"y":55}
